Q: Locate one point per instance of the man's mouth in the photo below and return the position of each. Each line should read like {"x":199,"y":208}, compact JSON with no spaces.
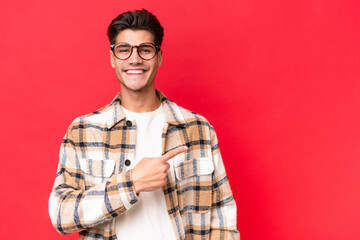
{"x":134,"y":71}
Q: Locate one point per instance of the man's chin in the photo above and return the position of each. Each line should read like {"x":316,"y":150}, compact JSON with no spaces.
{"x":136,"y":84}
{"x":135,"y":88}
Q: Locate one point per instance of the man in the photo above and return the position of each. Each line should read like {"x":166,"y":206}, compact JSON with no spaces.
{"x":141,"y":167}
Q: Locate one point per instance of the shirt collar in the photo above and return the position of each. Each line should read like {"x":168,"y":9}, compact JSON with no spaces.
{"x":173,"y":115}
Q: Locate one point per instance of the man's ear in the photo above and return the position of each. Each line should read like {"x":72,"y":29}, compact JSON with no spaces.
{"x":160,"y":53}
{"x":112,"y":59}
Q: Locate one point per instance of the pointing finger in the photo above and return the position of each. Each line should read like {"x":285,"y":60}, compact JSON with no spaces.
{"x":173,"y":153}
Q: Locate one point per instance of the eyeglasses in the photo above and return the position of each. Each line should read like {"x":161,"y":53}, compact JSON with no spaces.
{"x":123,"y":50}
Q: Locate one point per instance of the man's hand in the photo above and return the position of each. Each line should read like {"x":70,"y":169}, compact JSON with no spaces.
{"x":150,"y":173}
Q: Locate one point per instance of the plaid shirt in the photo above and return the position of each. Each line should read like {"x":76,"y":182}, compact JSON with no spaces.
{"x":93,"y":185}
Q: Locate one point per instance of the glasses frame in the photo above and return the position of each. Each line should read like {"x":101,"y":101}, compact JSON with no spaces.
{"x":112,"y":47}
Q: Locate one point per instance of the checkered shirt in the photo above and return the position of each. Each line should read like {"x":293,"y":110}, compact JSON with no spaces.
{"x":93,"y":185}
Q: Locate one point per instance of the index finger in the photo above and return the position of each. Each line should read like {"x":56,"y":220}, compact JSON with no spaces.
{"x":173,"y":153}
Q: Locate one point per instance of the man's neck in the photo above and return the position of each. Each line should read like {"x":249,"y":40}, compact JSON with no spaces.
{"x":140,"y":101}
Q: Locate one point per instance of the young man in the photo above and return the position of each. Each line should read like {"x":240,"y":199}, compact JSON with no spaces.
{"x":141,"y":167}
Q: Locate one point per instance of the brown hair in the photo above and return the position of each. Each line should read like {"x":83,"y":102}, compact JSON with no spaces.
{"x":136,"y":20}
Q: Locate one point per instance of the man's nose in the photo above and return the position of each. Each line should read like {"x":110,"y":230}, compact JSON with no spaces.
{"x":134,"y":57}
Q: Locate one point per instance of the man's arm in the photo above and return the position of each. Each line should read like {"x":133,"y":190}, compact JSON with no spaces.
{"x":73,"y":208}
{"x":223,"y":211}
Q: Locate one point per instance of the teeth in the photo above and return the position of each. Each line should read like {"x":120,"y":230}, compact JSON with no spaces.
{"x":135,"y":71}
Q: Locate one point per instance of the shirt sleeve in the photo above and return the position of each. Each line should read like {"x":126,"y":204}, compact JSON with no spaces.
{"x":223,"y":211}
{"x":73,"y":208}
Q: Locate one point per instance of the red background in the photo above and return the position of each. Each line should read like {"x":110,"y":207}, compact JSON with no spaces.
{"x":279,"y":80}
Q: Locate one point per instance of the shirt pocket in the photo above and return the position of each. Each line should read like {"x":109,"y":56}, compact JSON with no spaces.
{"x":97,"y":171}
{"x":194,"y":185}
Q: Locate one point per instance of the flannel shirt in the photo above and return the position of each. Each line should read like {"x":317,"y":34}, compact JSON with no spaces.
{"x":93,"y":185}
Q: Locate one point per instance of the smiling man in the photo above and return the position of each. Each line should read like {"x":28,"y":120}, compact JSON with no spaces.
{"x":141,"y":167}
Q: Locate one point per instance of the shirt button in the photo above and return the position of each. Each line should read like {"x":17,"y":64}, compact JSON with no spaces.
{"x":127,"y":162}
{"x":128,"y":123}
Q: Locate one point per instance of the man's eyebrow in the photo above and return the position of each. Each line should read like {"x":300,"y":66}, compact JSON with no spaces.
{"x":124,"y":44}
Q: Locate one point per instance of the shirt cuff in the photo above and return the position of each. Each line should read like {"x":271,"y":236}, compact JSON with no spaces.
{"x":126,"y":189}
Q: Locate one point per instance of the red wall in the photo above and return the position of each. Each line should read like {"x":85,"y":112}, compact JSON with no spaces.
{"x":278,"y":79}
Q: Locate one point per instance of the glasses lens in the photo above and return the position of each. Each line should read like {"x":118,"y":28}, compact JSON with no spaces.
{"x":147,"y":51}
{"x":122,"y":50}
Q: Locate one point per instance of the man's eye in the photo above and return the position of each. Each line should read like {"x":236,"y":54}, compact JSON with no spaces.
{"x":123,"y":50}
{"x":146,"y":50}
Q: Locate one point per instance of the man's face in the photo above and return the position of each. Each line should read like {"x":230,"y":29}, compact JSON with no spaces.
{"x":134,"y":73}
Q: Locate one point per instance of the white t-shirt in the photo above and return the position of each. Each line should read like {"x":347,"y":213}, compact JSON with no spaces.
{"x":148,"y":219}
